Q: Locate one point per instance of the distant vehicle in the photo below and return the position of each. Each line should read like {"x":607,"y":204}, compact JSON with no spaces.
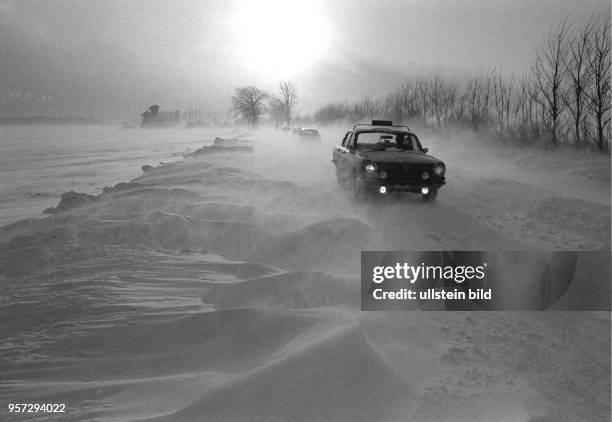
{"x":307,"y":133}
{"x":381,"y":158}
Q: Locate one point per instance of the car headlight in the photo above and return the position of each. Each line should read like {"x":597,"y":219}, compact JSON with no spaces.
{"x":370,"y":168}
{"x":439,"y":170}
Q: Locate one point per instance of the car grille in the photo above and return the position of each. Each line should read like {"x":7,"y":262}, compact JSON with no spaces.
{"x":407,"y":172}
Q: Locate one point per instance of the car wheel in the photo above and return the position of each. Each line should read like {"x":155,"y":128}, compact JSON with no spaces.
{"x":431,"y":195}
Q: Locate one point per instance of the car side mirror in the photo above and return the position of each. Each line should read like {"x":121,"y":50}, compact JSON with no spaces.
{"x":425,"y":150}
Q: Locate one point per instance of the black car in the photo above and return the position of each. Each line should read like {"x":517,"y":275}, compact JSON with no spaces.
{"x":381,"y":158}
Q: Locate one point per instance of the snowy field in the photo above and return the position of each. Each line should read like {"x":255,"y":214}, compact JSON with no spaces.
{"x":225,"y":285}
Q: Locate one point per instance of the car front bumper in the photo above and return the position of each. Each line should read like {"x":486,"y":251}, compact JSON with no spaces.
{"x":375,"y":185}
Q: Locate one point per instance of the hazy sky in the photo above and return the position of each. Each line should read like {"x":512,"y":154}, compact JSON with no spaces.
{"x":114,"y":58}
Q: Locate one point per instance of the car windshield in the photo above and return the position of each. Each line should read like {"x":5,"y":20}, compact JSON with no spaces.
{"x":380,"y":141}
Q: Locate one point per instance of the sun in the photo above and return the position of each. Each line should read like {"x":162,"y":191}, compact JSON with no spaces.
{"x":280,"y":38}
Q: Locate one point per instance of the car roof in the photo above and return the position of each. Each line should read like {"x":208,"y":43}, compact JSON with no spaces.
{"x":383,"y":126}
{"x":382,"y":129}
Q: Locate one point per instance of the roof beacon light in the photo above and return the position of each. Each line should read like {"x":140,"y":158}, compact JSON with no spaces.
{"x":382,"y":123}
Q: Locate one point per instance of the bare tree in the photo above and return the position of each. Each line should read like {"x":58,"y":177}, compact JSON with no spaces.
{"x":442,"y":96}
{"x":525,"y":110}
{"x":249,"y":103}
{"x":599,"y":95}
{"x":276,"y":109}
{"x":394,"y":106}
{"x":421,"y":92}
{"x":478,"y":94}
{"x":435,"y":96}
{"x":474,"y":88}
{"x":576,"y":66}
{"x":461,"y":110}
{"x":366,"y":108}
{"x":288,"y":99}
{"x":330,"y":113}
{"x":401,"y":105}
{"x":503,"y":97}
{"x":548,"y":74}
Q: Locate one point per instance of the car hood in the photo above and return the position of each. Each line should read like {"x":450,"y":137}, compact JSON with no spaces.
{"x":406,"y":157}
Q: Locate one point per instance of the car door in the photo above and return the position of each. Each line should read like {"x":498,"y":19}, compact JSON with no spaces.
{"x":340,"y":153}
{"x":352,"y":162}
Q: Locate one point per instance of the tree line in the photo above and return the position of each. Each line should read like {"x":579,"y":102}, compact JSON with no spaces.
{"x":250,"y":103}
{"x":563,"y":98}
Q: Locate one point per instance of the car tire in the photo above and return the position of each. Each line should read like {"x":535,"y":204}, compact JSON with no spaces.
{"x":431,"y":195}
